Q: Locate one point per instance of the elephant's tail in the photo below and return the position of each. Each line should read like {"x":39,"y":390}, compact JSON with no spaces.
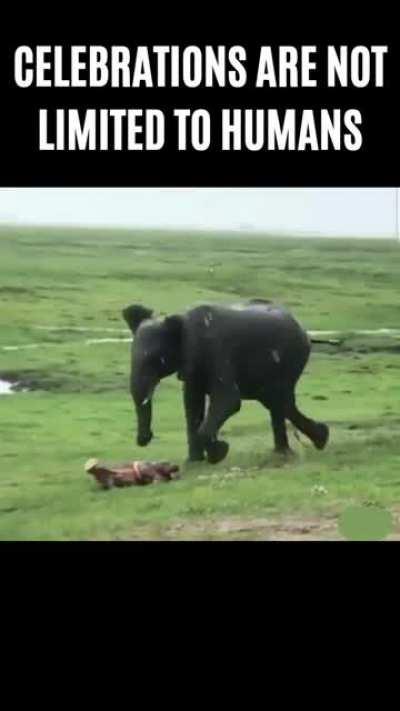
{"x":327,"y":342}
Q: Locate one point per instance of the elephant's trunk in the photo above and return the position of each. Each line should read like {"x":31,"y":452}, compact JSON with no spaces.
{"x":142,"y":394}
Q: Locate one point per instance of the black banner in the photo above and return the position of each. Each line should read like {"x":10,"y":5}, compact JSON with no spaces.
{"x":293,"y":129}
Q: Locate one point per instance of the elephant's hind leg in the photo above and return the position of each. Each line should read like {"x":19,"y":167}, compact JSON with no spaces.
{"x":317,"y":432}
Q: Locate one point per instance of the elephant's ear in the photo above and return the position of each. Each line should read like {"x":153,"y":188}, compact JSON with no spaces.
{"x":135,"y":314}
{"x":174,"y":325}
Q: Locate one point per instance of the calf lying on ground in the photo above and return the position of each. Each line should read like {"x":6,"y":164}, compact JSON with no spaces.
{"x":130,"y":473}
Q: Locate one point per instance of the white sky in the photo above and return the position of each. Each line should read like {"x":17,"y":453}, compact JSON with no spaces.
{"x":340,"y":211}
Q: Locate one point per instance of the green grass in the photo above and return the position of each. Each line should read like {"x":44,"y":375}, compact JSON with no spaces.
{"x":80,"y":406}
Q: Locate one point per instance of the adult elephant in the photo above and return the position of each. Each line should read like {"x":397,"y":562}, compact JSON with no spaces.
{"x":252,"y":351}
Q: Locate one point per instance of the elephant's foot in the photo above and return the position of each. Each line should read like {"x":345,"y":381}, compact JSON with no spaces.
{"x":321,"y":435}
{"x":144,"y":439}
{"x":217,"y":451}
{"x":195,"y":450}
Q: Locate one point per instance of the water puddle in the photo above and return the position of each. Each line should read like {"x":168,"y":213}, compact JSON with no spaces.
{"x":9,"y":385}
{"x":6,"y":388}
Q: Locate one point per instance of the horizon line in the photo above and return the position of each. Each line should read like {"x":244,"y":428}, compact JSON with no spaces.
{"x":148,"y":228}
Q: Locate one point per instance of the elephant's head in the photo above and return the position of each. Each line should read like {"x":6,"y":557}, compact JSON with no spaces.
{"x":156,"y":353}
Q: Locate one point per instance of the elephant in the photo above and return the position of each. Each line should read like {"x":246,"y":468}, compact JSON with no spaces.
{"x":223,"y":354}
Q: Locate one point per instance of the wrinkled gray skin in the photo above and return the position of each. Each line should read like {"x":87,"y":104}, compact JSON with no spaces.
{"x":254,"y":351}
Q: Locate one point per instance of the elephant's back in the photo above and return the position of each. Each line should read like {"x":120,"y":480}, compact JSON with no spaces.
{"x":273,"y":326}
{"x":252,"y":325}
{"x":274,"y":343}
{"x":260,"y":342}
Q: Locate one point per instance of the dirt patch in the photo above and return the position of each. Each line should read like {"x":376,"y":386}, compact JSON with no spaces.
{"x":289,"y":528}
{"x":256,"y":529}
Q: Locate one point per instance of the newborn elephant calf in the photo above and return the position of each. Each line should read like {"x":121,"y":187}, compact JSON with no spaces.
{"x":131,"y":473}
{"x":254,"y":351}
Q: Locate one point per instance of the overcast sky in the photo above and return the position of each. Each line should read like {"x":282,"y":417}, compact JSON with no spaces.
{"x":339,"y":211}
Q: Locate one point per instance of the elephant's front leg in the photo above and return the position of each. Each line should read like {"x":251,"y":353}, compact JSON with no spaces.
{"x":194,"y":401}
{"x":279,"y":429}
{"x":224,"y":402}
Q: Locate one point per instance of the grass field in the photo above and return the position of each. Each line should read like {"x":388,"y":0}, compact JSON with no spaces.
{"x":79,"y":405}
